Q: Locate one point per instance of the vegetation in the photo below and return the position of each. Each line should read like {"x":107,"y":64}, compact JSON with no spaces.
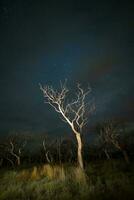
{"x":101,"y":180}
{"x":50,"y":171}
{"x":37,"y":167}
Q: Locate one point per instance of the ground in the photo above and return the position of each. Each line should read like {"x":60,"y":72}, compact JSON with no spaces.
{"x":101,"y":180}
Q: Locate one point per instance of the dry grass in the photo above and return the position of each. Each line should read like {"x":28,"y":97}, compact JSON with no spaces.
{"x":68,"y":183}
{"x":49,"y":171}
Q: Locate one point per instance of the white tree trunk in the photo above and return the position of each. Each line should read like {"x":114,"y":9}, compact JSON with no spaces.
{"x":79,"y":151}
{"x":74,"y":113}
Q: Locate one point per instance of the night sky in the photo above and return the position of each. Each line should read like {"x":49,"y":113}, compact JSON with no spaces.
{"x":47,"y":41}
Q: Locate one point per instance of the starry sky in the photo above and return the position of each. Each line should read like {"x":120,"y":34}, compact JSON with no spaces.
{"x":44,"y":41}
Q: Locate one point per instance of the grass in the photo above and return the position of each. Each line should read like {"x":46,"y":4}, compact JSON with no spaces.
{"x":101,"y":181}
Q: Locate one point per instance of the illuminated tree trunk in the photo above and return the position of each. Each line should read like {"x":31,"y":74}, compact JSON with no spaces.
{"x":73,"y":113}
{"x":79,"y":151}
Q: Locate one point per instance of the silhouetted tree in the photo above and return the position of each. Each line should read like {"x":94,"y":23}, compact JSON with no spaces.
{"x":110,"y":134}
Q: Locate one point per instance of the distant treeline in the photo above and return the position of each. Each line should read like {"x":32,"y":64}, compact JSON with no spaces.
{"x":111,"y":141}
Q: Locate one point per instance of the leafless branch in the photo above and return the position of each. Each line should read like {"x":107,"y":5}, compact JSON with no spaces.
{"x":73,"y":112}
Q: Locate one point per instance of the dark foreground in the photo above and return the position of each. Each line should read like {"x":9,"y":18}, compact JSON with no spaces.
{"x":102,"y":180}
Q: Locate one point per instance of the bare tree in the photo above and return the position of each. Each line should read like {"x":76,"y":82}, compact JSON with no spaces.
{"x":102,"y":142}
{"x":4,"y":153}
{"x":73,"y":112}
{"x":46,"y":148}
{"x":15,"y":145}
{"x":110,"y":134}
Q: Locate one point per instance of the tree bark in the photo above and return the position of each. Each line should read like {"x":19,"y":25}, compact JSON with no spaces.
{"x":18,"y":161}
{"x":79,"y":151}
{"x":125,"y":156}
{"x":107,"y":154}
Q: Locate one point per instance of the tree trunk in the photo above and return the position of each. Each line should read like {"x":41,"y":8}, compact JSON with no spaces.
{"x":10,"y":162}
{"x":18,"y":160}
{"x":107,"y":154}
{"x":125,"y":156}
{"x":123,"y":152}
{"x":79,"y":151}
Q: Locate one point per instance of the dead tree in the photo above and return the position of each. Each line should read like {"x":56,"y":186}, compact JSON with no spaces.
{"x":12,"y":152}
{"x":4,"y":153}
{"x":15,"y":145}
{"x":103,"y":143}
{"x":48,"y":155}
{"x":110,"y":133}
{"x":73,"y":112}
